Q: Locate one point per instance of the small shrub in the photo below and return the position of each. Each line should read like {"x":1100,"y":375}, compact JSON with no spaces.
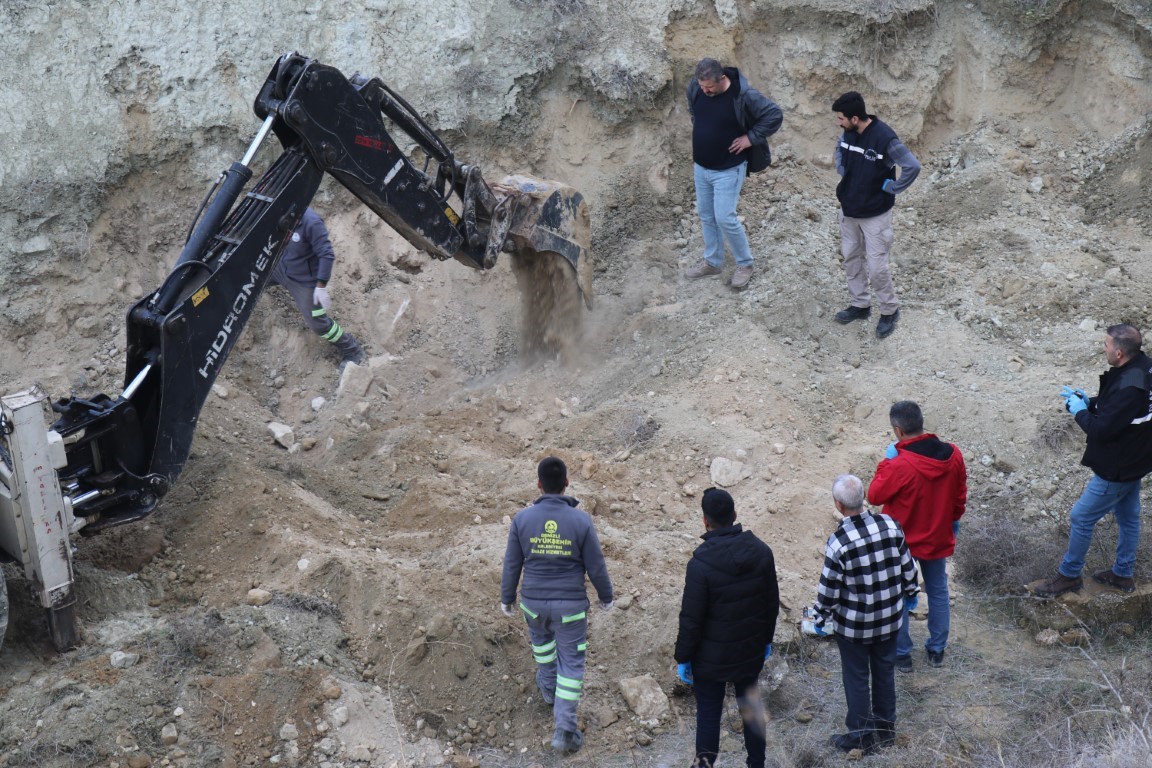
{"x":192,"y":638}
{"x":637,"y":429}
{"x":309,"y":603}
{"x":998,"y":552}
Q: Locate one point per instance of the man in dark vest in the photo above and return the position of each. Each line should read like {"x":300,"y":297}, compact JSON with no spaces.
{"x":1118,"y":424}
{"x":728,"y":118}
{"x":867,"y":156}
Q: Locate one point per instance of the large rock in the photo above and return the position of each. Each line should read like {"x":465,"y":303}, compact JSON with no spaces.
{"x":644,"y":697}
{"x":728,"y":472}
{"x":355,"y":381}
{"x":1095,"y":607}
{"x":393,"y":317}
{"x":282,"y":434}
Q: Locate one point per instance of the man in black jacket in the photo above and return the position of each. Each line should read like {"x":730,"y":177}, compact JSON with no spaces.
{"x":727,"y":620}
{"x":1118,"y":423}
{"x":729,"y":118}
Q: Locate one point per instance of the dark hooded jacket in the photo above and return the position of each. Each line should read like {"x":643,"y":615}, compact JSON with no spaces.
{"x":731,"y":600}
{"x":925,"y":489}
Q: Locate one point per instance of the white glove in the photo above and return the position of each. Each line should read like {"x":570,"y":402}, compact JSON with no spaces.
{"x":320,"y":296}
{"x":508,"y":610}
{"x":607,"y":606}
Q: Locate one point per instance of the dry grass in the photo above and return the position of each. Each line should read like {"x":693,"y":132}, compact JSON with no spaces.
{"x":309,"y":603}
{"x":998,"y":552}
{"x":190,"y":640}
{"x":636,"y":429}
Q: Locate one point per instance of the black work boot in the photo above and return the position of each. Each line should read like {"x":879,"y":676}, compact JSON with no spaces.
{"x":887,"y":324}
{"x":861,"y":740}
{"x":885,"y":734}
{"x":567,"y":741}
{"x":848,"y":314}
{"x":350,"y":350}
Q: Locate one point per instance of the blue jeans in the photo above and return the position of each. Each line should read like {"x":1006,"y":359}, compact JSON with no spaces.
{"x":717,"y":193}
{"x":869,"y":674}
{"x":939,"y":619}
{"x":709,"y":708}
{"x":1098,"y":499}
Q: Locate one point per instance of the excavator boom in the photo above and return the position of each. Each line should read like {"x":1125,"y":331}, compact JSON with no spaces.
{"x":107,"y":461}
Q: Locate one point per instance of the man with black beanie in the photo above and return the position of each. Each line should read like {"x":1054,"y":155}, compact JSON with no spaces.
{"x":727,"y":620}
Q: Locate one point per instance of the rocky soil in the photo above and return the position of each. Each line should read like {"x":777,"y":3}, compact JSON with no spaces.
{"x":330,"y":598}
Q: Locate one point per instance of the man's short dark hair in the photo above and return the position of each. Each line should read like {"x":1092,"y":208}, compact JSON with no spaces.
{"x":709,"y":70}
{"x":907,"y":416}
{"x":553,"y":475}
{"x":1126,"y":338}
{"x":851,"y":104}
{"x":718,"y":506}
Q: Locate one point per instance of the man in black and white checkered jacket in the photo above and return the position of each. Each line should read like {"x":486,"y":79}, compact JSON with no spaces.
{"x":869,"y":580}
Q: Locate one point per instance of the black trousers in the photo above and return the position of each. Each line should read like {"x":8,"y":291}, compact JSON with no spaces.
{"x":869,"y":674}
{"x":710,"y":707}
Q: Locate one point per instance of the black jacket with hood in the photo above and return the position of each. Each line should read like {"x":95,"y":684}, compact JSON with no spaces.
{"x":731,"y":600}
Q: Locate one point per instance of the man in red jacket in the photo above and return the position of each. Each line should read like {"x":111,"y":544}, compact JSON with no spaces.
{"x":923,"y":485}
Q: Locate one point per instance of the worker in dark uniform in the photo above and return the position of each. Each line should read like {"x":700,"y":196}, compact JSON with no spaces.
{"x":553,"y":544}
{"x":304,"y":269}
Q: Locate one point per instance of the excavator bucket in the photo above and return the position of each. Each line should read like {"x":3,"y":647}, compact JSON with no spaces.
{"x":549,"y":217}
{"x":548,"y":235}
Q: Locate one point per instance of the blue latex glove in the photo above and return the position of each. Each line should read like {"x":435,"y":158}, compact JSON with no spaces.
{"x":768,"y":650}
{"x":684,"y":672}
{"x":888,"y":186}
{"x":955,"y":527}
{"x":890,"y":451}
{"x":910,"y":603}
{"x":1075,"y":400}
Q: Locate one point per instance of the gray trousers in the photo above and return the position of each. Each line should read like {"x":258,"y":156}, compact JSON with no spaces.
{"x":558,"y":630}
{"x":315,"y":315}
{"x":865,"y":244}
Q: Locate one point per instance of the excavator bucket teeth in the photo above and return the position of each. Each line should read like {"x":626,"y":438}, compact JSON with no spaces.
{"x":550,"y":217}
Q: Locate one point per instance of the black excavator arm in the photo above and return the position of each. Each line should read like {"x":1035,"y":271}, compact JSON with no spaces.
{"x":124,"y":453}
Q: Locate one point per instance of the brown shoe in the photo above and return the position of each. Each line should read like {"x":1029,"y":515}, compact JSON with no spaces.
{"x":741,"y":276}
{"x":1109,"y":578}
{"x":701,"y":269}
{"x":1058,"y":585}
